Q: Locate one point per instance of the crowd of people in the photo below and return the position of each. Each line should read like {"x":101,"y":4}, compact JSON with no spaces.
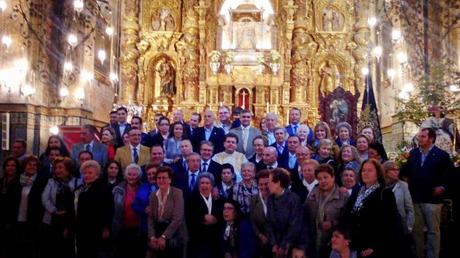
{"x":218,"y":186}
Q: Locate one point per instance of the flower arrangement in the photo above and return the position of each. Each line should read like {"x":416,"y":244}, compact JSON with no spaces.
{"x":402,"y":153}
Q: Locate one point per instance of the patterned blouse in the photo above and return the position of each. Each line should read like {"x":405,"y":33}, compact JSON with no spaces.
{"x":243,"y":195}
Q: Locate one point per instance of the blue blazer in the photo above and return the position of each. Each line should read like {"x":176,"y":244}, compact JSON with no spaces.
{"x":435,"y":172}
{"x":217,"y":138}
{"x":99,"y":152}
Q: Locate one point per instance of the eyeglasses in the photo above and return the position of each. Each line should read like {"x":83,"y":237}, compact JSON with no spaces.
{"x":162,"y":178}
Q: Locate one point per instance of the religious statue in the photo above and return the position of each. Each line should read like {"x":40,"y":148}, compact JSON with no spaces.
{"x":327,"y":19}
{"x":163,"y":20}
{"x":246,"y":36}
{"x":329,"y":77}
{"x":167,"y":78}
{"x":446,"y":133}
{"x":339,"y":111}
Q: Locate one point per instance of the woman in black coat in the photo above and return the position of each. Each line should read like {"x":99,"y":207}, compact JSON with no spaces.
{"x":372,"y":214}
{"x":94,"y":212}
{"x":203,"y":217}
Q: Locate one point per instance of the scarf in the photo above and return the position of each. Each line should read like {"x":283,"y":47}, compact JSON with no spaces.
{"x":364,"y":192}
{"x":25,"y":180}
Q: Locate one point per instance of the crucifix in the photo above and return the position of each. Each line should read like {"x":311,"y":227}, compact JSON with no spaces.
{"x":244,"y":99}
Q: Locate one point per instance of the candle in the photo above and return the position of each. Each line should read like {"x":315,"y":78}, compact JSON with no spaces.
{"x":268,"y":107}
{"x":221,"y":104}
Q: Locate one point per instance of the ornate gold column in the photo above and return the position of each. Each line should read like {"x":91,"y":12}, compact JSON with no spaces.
{"x":361,"y":32}
{"x":201,"y":10}
{"x":129,"y":51}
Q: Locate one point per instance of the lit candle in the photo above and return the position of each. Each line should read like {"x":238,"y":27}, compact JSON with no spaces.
{"x":221,"y":104}
{"x":268,"y":107}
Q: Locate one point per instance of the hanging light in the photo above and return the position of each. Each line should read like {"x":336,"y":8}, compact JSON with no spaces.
{"x":102,"y":55}
{"x":72,"y":40}
{"x":401,"y":57}
{"x":6,"y":40}
{"x":68,"y":66}
{"x":391,"y":73}
{"x":365,"y":71}
{"x":27,"y":90}
{"x":113,"y":77}
{"x":80,"y":94}
{"x":78,"y":5}
{"x":87,"y":76}
{"x":109,"y":30}
{"x":372,"y":21}
{"x":377,"y":52}
{"x":408,"y":87}
{"x":396,"y":34}
{"x":2,"y":5}
{"x":64,"y":92}
{"x":54,"y":130}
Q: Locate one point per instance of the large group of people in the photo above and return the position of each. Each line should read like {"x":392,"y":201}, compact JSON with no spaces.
{"x":224,"y":189}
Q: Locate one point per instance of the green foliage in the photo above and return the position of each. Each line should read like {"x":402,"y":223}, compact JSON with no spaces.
{"x":413,"y":110}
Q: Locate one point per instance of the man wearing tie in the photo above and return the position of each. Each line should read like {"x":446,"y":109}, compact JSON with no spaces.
{"x":186,"y":180}
{"x":271,"y":120}
{"x":269,"y":159}
{"x":209,"y":132}
{"x":280,"y":143}
{"x":134,"y":152}
{"x":289,"y":162}
{"x":207,"y":164}
{"x":181,"y":165}
{"x":122,"y":126}
{"x":246,"y":133}
{"x":294,"y":123}
{"x":89,"y":143}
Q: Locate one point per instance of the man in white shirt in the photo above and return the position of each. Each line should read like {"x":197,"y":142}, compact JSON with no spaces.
{"x":230,"y":155}
{"x":271,"y":120}
{"x":134,"y":152}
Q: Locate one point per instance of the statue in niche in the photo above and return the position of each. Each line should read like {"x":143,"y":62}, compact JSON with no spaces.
{"x":163,"y":20}
{"x":339,"y":111}
{"x":332,"y":20}
{"x":246,"y":36}
{"x":329,"y":77}
{"x":167,"y":78}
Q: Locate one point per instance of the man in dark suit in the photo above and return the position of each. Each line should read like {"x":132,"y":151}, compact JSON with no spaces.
{"x":289,"y":161}
{"x":209,"y":132}
{"x":89,"y":143}
{"x":122,"y":126}
{"x":194,"y":122}
{"x":270,"y":156}
{"x":281,"y":143}
{"x":207,"y":164}
{"x":294,"y":122}
{"x":427,"y":171}
{"x":259,"y":143}
{"x":136,"y":122}
{"x":181,"y":165}
{"x":187,"y":180}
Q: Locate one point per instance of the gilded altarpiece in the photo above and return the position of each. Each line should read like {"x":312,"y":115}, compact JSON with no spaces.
{"x":177,"y":57}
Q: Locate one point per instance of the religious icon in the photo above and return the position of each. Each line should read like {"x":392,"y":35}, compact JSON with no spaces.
{"x":167,"y":78}
{"x":329,"y":77}
{"x":339,"y":111}
{"x":163,"y":20}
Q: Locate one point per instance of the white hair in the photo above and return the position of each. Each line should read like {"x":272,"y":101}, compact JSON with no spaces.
{"x":91,"y":164}
{"x":135,"y":167}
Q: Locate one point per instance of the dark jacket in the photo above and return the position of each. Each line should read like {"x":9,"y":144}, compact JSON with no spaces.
{"x":435,"y":171}
{"x":376,"y":225}
{"x":119,"y":139}
{"x":217,"y":138}
{"x":35,"y":208}
{"x":284,"y":215}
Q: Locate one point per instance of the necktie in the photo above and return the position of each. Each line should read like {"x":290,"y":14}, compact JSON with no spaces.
{"x":292,"y":161}
{"x":184,"y":164}
{"x":245,"y":138}
{"x":192,"y":181}
{"x":135,"y":155}
{"x":204,"y":167}
{"x":280,"y":149}
{"x":88,"y":147}
{"x":270,"y":167}
{"x":295,"y":129}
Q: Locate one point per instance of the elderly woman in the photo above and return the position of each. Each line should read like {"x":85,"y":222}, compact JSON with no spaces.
{"x":172,"y":144}
{"x":202,"y":216}
{"x":94,"y":211}
{"x":284,"y":214}
{"x":166,"y":218}
{"x":362,"y":145}
{"x":259,"y":213}
{"x":242,"y":193}
{"x":109,"y":138}
{"x":348,"y":158}
{"x":24,"y":210}
{"x":57,"y":198}
{"x":350,"y":181}
{"x":126,"y":223}
{"x":230,"y":234}
{"x":367,"y":209}
{"x":303,"y":131}
{"x":325,"y":204}
{"x":344,"y":134}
